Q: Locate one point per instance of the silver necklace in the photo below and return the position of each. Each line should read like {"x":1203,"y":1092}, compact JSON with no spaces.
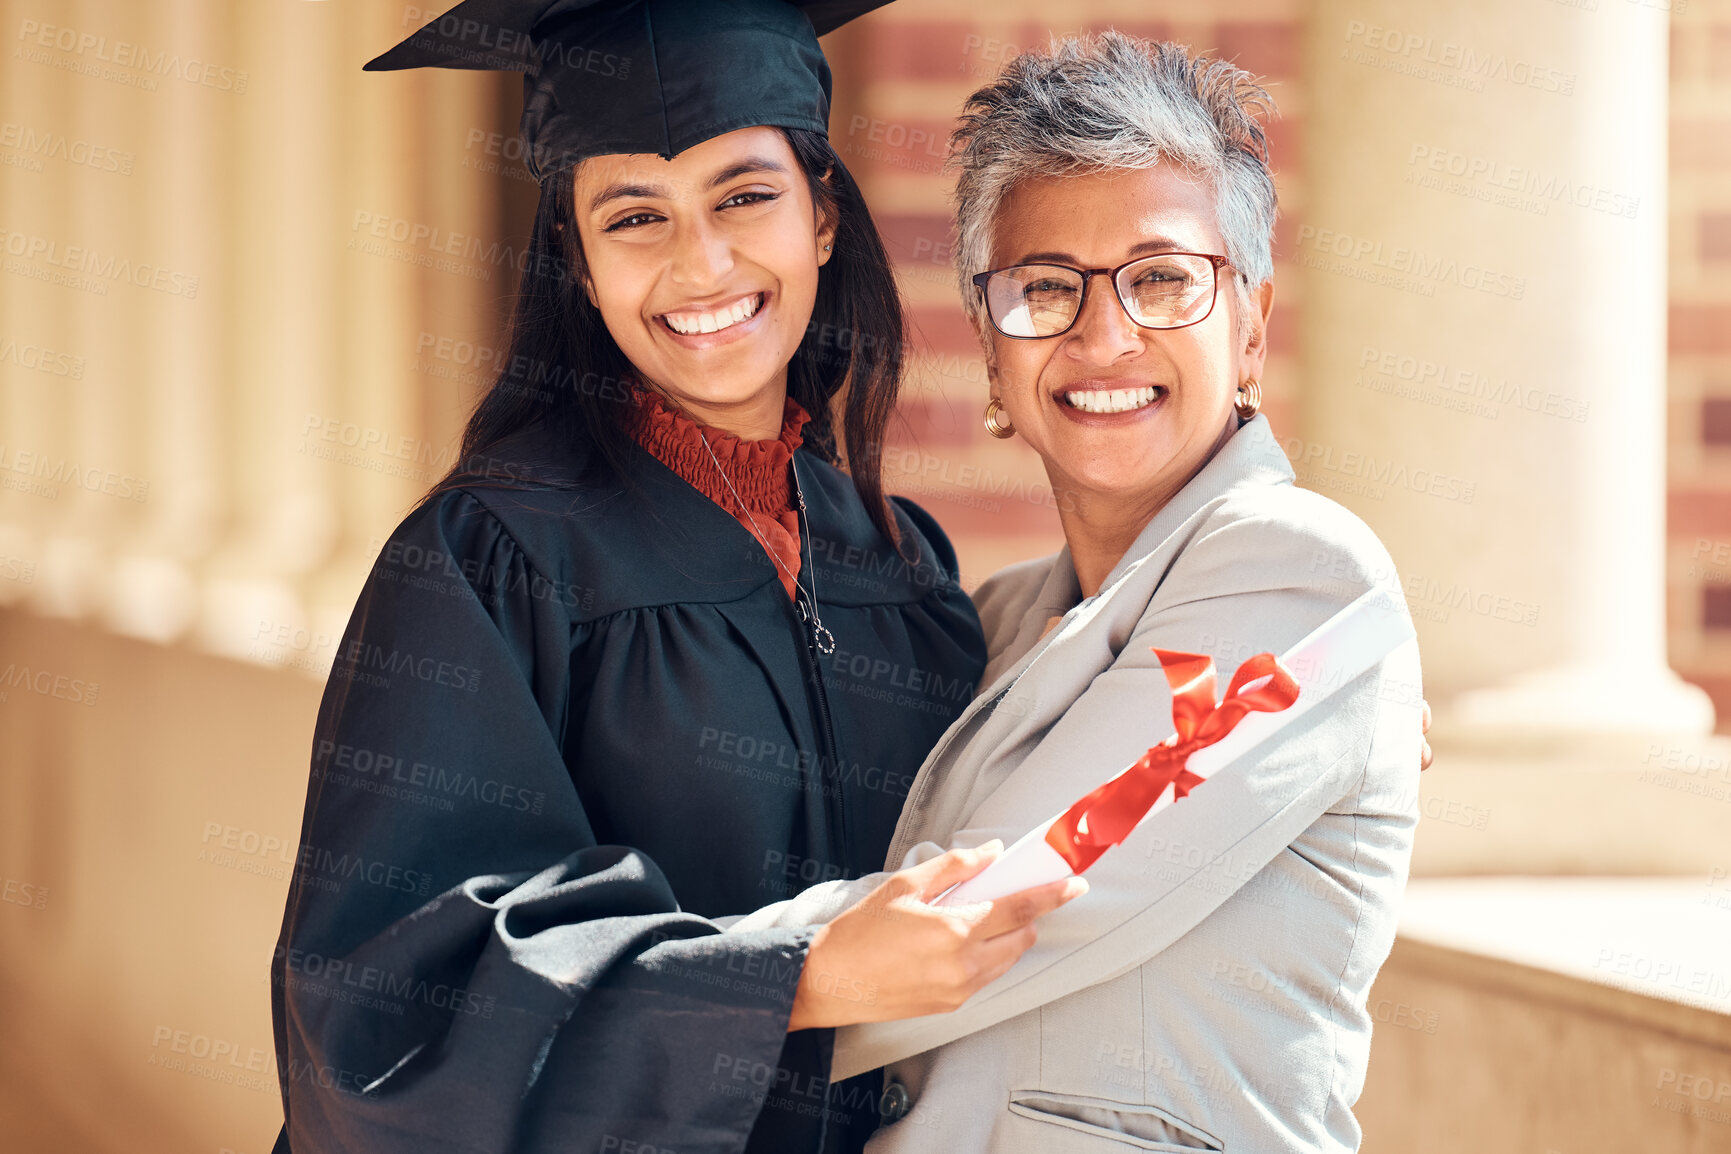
{"x":821,"y":637}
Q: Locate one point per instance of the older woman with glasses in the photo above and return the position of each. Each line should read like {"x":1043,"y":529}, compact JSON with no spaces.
{"x":1209,"y":993}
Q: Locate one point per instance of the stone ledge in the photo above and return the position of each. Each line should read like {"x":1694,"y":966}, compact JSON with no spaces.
{"x":1565,"y":992}
{"x":1643,"y":808}
{"x":1496,"y":1034}
{"x":1600,"y":941}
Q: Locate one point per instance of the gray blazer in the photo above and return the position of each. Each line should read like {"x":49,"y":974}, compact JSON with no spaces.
{"x":1209,"y":992}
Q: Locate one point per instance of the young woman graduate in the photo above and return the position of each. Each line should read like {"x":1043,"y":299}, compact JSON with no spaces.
{"x":647,"y":658}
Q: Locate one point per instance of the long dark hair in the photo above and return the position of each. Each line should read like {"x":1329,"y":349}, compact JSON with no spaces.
{"x":564,"y":371}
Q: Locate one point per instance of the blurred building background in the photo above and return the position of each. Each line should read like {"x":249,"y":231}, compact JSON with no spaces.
{"x":249,"y":293}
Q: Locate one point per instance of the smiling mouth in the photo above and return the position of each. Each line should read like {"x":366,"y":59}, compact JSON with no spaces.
{"x":1112,"y":400}
{"x":692,"y":324}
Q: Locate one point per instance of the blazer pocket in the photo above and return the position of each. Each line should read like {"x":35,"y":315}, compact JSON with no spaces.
{"x":1140,"y":1127}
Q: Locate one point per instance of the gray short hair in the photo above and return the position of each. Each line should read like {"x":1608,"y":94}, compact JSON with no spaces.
{"x":1095,"y":103}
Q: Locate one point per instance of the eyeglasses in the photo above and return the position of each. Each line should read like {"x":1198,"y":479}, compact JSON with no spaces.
{"x":1166,"y":291}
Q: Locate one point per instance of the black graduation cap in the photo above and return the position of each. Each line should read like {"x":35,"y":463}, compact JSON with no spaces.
{"x":606,"y":76}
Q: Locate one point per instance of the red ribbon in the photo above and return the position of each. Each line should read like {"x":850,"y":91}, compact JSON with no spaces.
{"x":1105,"y":817}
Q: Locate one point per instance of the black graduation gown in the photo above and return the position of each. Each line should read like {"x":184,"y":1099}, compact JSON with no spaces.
{"x":565,"y":728}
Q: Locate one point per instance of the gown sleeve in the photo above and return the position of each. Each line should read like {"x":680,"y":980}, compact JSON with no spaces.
{"x":461,"y":966}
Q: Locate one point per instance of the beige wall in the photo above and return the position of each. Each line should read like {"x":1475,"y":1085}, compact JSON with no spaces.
{"x":151,"y":809}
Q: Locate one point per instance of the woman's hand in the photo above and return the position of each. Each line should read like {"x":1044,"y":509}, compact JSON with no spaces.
{"x":894,"y":955}
{"x":1424,"y":754}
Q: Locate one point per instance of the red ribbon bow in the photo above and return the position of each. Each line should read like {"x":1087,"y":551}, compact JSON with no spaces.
{"x":1105,"y":817}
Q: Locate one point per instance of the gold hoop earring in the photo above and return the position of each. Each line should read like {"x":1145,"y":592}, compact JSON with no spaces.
{"x":996,"y":424}
{"x":1248,"y":399}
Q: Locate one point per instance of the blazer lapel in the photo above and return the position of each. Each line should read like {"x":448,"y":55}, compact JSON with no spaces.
{"x":1000,"y":718}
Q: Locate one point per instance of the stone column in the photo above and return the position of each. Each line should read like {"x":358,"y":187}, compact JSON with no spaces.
{"x":366,"y":440}
{"x":283,"y":325}
{"x":183,"y":157}
{"x":1482,"y":255}
{"x":34,"y":401}
{"x":99,"y":246}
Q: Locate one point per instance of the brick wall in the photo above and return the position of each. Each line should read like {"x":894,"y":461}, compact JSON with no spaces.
{"x":906,"y":70}
{"x":1699,"y":428}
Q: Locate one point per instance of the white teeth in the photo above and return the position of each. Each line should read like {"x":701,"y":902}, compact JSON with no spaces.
{"x":1111,"y":400}
{"x":689,"y":323}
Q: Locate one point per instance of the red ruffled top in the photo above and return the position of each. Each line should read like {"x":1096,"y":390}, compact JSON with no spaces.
{"x":760,"y":472}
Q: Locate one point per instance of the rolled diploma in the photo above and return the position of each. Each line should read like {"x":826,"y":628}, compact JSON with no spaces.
{"x":1333,"y":655}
